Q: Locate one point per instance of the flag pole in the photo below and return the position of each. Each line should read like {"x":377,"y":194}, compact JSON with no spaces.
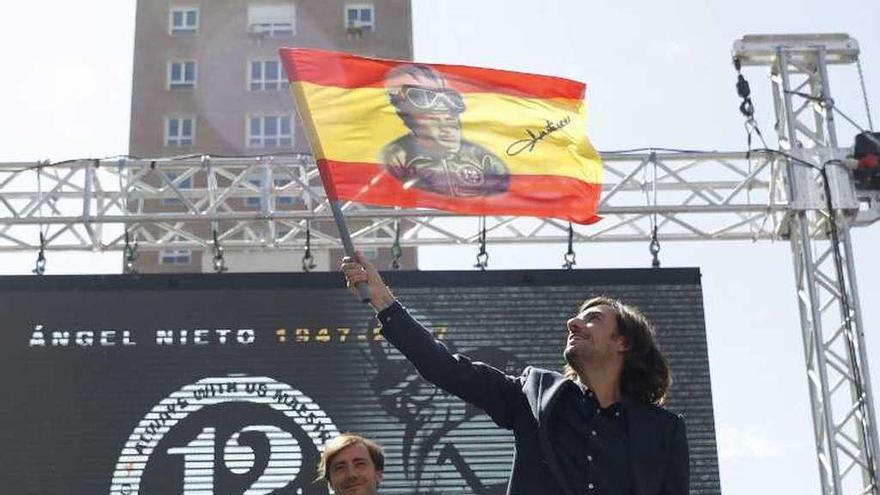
{"x":362,"y":287}
{"x":308,"y":123}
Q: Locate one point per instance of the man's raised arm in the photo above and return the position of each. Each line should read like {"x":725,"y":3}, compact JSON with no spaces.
{"x":496,"y":393}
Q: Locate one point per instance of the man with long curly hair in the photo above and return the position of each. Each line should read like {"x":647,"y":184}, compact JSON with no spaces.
{"x":598,"y":428}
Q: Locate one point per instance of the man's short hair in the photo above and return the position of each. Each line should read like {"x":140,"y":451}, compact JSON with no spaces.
{"x":335,"y":446}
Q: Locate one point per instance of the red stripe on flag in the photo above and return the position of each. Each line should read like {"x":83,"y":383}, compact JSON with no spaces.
{"x":344,"y":70}
{"x":553,"y":196}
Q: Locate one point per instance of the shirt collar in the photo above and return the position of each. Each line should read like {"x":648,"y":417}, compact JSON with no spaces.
{"x":619,"y":406}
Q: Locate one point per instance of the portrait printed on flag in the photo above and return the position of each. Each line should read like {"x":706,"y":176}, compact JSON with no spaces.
{"x":433,"y":156}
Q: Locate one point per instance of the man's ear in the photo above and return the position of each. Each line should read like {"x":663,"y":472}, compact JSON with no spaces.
{"x":622,"y":343}
{"x":380,"y":476}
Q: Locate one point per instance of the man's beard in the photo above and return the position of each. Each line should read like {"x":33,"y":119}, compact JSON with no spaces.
{"x":571,"y":356}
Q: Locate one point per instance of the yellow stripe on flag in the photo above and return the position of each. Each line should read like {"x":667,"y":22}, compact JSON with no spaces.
{"x":354,"y":125}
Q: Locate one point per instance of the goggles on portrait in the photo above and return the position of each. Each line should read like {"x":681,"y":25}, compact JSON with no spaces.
{"x":430,"y":99}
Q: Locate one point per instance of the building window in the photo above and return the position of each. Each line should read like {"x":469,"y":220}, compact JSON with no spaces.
{"x":279,"y":200}
{"x":277,"y":21}
{"x":182,"y":185}
{"x":267,"y":75}
{"x":360,"y":16}
{"x":180,"y":132}
{"x":283,"y":200}
{"x":269,"y":131}
{"x":184,"y":21}
{"x":182,"y":74}
{"x":175,"y":257}
{"x":254,"y":200}
{"x":369,"y":252}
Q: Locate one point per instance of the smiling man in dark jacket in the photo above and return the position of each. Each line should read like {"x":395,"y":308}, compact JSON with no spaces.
{"x":597,"y":429}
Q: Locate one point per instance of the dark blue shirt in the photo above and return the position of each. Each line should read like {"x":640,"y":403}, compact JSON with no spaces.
{"x":592,"y":442}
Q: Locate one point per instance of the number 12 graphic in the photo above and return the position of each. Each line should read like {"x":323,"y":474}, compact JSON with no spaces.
{"x":285,"y":460}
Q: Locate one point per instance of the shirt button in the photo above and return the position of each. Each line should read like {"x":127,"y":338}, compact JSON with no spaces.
{"x":617,"y":413}
{"x":590,"y":486}
{"x":589,"y":458}
{"x":598,"y":410}
{"x":593,"y":433}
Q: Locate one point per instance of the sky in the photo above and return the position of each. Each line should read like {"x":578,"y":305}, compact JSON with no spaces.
{"x":658,"y":75}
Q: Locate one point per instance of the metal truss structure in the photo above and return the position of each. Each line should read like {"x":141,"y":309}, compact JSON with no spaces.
{"x":266,"y":202}
{"x":276,"y":202}
{"x":819,"y":198}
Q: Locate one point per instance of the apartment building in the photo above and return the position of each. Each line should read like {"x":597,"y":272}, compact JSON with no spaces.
{"x":207,"y":80}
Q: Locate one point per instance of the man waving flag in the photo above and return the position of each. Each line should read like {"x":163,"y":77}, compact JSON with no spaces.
{"x":463,"y":139}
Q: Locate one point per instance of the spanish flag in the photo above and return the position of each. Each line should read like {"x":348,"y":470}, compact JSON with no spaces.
{"x":462,"y":139}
